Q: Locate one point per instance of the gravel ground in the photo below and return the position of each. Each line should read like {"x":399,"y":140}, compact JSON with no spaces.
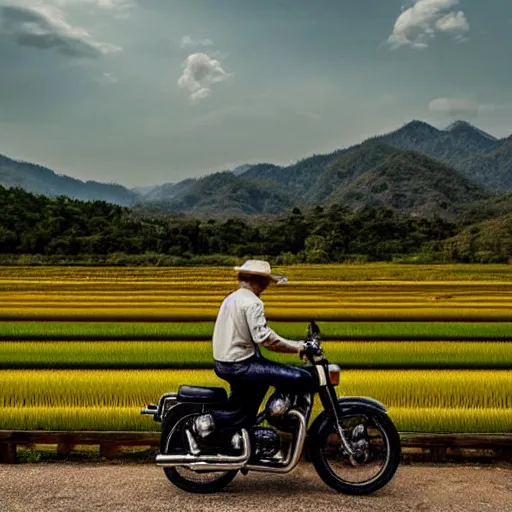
{"x":77,"y":487}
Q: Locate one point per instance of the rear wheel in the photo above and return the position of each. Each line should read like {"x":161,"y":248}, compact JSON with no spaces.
{"x":376,"y":462}
{"x":173,"y":441}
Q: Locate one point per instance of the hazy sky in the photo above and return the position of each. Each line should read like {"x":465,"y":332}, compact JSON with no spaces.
{"x":143,"y":92}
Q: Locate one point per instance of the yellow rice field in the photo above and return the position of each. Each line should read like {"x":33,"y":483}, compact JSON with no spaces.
{"x":278,"y":314}
{"x":461,"y":401}
{"x":74,"y":301}
{"x":131,"y":388}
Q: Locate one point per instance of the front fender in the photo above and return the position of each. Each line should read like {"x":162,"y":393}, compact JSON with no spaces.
{"x":360,"y":401}
{"x":348,"y":405}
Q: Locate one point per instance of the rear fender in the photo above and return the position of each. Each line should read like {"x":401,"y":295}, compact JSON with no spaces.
{"x":175,"y":414}
{"x":180,"y":410}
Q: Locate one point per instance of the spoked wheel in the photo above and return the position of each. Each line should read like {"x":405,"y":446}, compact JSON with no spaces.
{"x":173,"y":441}
{"x":371,"y":468}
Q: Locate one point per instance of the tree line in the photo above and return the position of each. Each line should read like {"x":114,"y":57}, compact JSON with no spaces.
{"x":38,"y":229}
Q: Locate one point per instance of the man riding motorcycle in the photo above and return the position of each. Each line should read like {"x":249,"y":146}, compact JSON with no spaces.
{"x":208,"y":437}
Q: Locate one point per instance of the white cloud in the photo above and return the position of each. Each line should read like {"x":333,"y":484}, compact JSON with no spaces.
{"x":199,"y":74}
{"x":106,"y":5}
{"x":112,"y":4}
{"x":187,"y":42}
{"x":418,"y":25}
{"x":459,"y":107}
{"x":118,"y":8}
{"x":453,"y":22}
{"x":200,"y":94}
{"x":45,"y":26}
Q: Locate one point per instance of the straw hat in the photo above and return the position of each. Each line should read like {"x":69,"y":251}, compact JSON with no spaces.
{"x":260,"y":268}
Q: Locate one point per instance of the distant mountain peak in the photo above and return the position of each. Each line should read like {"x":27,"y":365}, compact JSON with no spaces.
{"x":464,"y":125}
{"x":418,"y":123}
{"x":458,"y":124}
{"x":418,"y":128}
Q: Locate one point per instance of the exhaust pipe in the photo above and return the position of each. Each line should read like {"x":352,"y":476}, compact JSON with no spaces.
{"x":294,"y":453}
{"x":212,"y":466}
{"x":209,"y":462}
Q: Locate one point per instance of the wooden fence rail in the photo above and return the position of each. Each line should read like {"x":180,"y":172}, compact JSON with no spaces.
{"x":110,"y":443}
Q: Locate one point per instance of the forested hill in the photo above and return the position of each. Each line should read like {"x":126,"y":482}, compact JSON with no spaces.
{"x":481,"y":157}
{"x":369,"y":174}
{"x":375,"y":174}
{"x":458,"y":142}
{"x":41,"y":180}
{"x":65,"y":230}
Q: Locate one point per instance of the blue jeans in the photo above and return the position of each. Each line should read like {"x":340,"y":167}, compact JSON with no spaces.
{"x":251,"y":379}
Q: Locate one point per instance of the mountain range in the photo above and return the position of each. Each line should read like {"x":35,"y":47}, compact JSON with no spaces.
{"x":418,"y":169}
{"x":43,"y":181}
{"x":476,"y":154}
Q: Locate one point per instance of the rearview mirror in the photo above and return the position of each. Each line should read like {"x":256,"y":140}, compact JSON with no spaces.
{"x":313,"y":329}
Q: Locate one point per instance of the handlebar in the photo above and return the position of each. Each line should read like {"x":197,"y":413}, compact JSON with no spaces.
{"x":313,"y":349}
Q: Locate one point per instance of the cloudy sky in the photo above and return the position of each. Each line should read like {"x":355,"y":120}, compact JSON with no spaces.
{"x":143,"y":92}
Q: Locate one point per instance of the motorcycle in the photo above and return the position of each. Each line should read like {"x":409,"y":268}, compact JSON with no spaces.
{"x":344,"y":442}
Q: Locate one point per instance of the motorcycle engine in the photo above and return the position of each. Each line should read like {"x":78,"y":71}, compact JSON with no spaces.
{"x":277,"y":409}
{"x":265,"y":442}
{"x":278,"y":405}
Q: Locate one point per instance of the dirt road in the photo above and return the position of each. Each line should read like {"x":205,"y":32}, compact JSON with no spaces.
{"x":84,"y":487}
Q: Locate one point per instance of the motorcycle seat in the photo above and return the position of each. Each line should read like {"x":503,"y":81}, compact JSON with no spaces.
{"x":200,"y":394}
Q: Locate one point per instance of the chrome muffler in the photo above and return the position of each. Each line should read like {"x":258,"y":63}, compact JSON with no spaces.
{"x":209,"y":462}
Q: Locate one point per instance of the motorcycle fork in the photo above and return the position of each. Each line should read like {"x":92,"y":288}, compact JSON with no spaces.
{"x":329,"y":401}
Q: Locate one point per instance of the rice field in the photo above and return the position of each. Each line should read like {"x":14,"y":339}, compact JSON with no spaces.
{"x":198,"y":355}
{"x":55,"y":397}
{"x":202,"y":331}
{"x":487,"y":273}
{"x":128,"y":388}
{"x":87,"y":348}
{"x":204,"y":314}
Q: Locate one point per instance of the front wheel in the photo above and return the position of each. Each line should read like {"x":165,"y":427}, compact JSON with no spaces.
{"x":377,"y":441}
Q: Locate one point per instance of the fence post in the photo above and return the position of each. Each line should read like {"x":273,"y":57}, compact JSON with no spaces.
{"x":65,"y":448}
{"x":109,"y":450}
{"x":7,"y":453}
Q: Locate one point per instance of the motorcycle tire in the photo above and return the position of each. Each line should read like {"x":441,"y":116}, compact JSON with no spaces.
{"x":317,"y":457}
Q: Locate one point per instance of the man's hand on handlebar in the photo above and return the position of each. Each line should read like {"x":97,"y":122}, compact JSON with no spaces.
{"x":312,"y":349}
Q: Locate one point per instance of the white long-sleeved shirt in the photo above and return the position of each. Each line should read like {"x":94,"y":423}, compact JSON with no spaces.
{"x":240,"y":322}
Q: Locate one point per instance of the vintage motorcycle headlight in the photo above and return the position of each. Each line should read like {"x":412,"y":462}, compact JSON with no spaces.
{"x":334,"y":374}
